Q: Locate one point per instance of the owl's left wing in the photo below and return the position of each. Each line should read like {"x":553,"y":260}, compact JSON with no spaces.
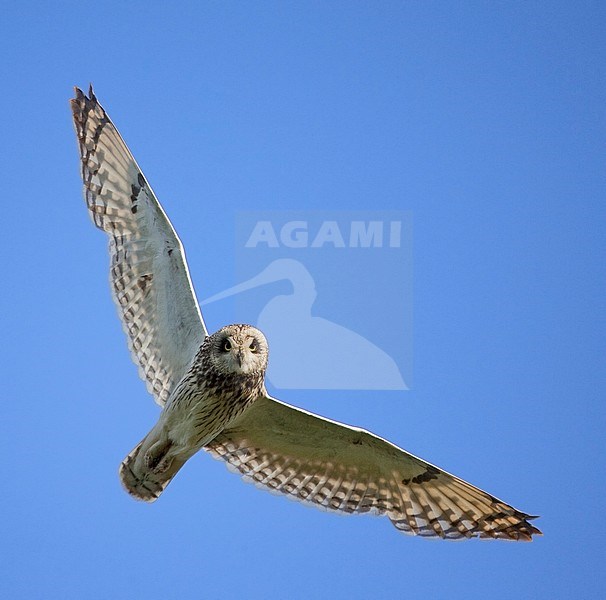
{"x":149,"y":278}
{"x":330,"y":465}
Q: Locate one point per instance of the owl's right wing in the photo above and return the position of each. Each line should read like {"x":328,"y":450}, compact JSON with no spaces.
{"x":148,"y":273}
{"x":330,"y":465}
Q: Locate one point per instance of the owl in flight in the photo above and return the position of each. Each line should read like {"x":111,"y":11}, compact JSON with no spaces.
{"x":211,"y":387}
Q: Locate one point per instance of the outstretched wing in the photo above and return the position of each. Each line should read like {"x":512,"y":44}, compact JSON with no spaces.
{"x":148,"y":274}
{"x":333,"y":466}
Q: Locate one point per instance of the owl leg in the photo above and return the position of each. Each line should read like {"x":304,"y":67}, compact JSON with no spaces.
{"x":148,"y":482}
{"x":156,"y":458}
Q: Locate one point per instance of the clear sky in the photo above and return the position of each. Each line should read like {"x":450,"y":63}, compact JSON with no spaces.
{"x":482,"y":120}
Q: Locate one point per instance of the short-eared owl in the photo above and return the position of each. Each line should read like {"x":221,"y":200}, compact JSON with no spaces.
{"x":211,"y":387}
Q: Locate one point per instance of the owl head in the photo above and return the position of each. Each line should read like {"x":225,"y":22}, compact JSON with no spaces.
{"x":238,"y":349}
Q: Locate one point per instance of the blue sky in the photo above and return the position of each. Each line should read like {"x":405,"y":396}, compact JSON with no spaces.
{"x":484,"y":120}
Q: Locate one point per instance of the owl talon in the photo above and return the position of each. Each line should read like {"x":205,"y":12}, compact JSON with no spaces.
{"x":155,"y":458}
{"x":162,"y":466}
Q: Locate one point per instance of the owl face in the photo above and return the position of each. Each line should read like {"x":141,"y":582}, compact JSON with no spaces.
{"x":239,"y":349}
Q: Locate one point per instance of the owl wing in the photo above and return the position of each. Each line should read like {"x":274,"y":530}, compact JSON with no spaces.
{"x":336,"y":467}
{"x":149,"y":278}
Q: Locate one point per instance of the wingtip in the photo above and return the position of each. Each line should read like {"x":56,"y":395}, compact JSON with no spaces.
{"x":80,"y":95}
{"x":526,"y":530}
{"x":532,"y":529}
{"x":536,"y":531}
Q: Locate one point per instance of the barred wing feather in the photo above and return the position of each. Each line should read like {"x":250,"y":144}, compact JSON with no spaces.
{"x":336,"y":467}
{"x":149,"y":278}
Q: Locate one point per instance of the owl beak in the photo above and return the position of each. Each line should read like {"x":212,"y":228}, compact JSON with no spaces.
{"x":240,"y":356}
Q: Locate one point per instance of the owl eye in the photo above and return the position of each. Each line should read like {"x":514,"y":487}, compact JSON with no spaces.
{"x":253,"y":346}
{"x":226,"y":346}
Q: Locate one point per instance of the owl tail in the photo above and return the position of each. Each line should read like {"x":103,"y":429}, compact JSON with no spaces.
{"x":145,"y":477}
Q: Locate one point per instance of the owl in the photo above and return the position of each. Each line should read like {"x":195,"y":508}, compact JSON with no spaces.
{"x":211,"y":387}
